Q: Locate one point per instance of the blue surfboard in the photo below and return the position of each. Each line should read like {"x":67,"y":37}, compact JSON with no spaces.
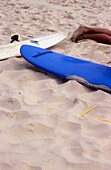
{"x":88,"y":73}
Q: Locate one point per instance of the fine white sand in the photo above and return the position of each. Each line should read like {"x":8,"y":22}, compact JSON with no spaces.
{"x":41,"y":122}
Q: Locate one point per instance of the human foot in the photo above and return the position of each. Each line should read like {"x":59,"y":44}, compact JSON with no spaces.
{"x":80,"y":31}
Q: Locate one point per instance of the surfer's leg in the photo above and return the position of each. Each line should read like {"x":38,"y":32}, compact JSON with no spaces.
{"x":93,"y":30}
{"x":100,"y":38}
{"x":88,"y":30}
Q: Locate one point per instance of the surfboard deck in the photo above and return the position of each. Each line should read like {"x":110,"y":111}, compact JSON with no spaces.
{"x":13,"y":49}
{"x":88,"y":73}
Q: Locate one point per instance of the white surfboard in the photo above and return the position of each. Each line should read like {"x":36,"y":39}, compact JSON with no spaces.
{"x":13,"y":49}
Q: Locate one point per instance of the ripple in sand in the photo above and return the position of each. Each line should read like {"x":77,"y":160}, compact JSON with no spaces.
{"x":10,"y":103}
{"x":17,"y":166}
{"x":32,"y":96}
{"x":69,"y":128}
{"x":19,"y":133}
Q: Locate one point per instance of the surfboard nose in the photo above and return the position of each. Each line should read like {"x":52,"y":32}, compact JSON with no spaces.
{"x":28,"y":50}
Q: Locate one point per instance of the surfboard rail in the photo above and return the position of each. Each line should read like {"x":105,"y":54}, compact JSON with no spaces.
{"x":90,"y":74}
{"x":13,"y":49}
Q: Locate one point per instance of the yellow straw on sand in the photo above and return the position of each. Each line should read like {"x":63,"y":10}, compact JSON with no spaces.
{"x":96,"y":118}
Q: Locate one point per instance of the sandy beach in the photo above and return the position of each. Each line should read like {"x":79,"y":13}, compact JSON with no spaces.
{"x":41,"y":122}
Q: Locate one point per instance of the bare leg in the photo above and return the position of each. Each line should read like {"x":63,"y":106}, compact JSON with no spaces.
{"x":94,"y":30}
{"x":100,"y":38}
{"x":88,"y":30}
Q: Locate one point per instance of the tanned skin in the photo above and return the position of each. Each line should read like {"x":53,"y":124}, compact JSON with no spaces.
{"x":99,"y":35}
